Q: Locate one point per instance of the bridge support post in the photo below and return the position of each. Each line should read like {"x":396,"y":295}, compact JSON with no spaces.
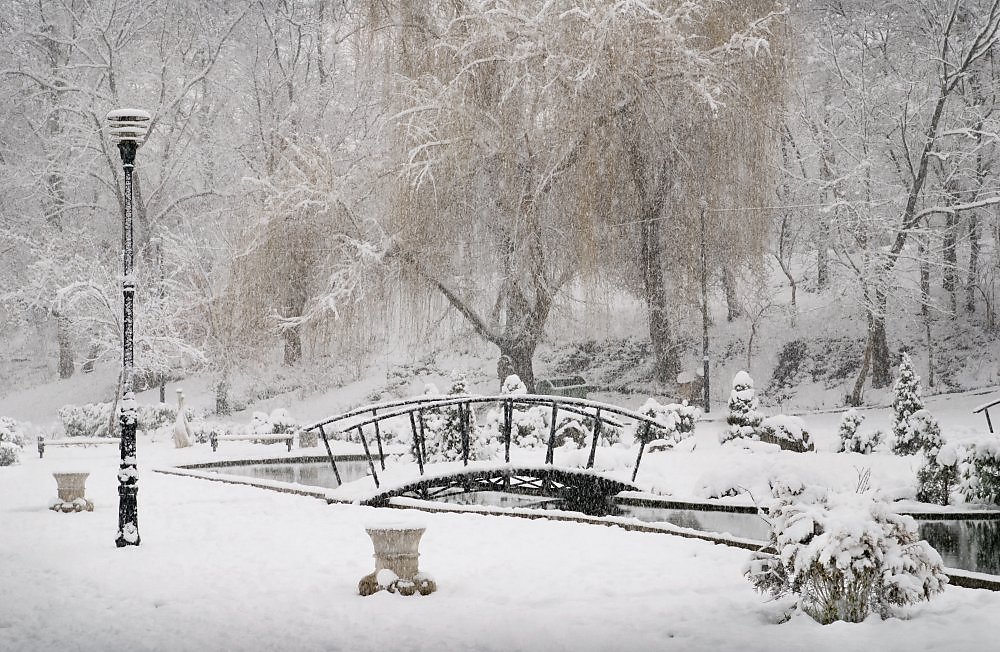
{"x":378,"y":440}
{"x":550,"y":451}
{"x":593,"y":445}
{"x":329,"y":452}
{"x":465,"y":419}
{"x":508,"y":417}
{"x":368,"y":454}
{"x":642,"y":447}
{"x":416,"y":444}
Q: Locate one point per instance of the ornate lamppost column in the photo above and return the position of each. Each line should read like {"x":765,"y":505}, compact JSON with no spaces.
{"x":128,"y":129}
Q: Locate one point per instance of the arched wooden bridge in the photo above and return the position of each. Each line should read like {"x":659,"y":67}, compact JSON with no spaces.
{"x":578,"y":490}
{"x":573,"y":486}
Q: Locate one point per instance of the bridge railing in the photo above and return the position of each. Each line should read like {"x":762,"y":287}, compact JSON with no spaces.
{"x":355,"y":421}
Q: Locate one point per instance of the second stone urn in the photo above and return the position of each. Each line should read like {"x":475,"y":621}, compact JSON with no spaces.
{"x":396,"y":555}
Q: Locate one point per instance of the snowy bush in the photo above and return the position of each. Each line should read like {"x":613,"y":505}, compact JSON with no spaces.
{"x":571,"y":428}
{"x":91,"y":419}
{"x":852,"y":440}
{"x":676,"y":420}
{"x":202,"y":430}
{"x":11,"y":441}
{"x":528,"y":427}
{"x":938,"y":475}
{"x":978,"y":466}
{"x":905,"y":403}
{"x":88,"y":420}
{"x":743,"y":419}
{"x":282,"y":422}
{"x":443,"y":427}
{"x":260,"y":424}
{"x":788,"y":432}
{"x":512,"y":386}
{"x":845,"y":556}
{"x":278,"y":422}
{"x":687,"y":416}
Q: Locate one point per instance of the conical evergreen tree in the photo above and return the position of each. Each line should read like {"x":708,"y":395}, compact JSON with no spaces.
{"x":743,"y":419}
{"x":906,"y":402}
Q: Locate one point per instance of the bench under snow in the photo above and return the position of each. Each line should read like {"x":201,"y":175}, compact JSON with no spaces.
{"x":214,"y":439}
{"x":75,"y":441}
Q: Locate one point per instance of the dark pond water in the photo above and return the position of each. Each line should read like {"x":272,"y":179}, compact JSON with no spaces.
{"x":314,"y":474}
{"x":966,"y":544}
{"x":970,"y":545}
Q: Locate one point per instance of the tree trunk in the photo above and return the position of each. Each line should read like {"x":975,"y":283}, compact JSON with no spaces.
{"x":63,"y":336}
{"x":859,"y":384}
{"x":971,"y":279}
{"x":88,"y":365}
{"x":925,"y":299}
{"x":733,"y":308}
{"x":881,"y":362}
{"x":521,"y":352}
{"x":949,"y":276}
{"x":822,"y":257}
{"x":666,"y":366}
{"x":293,"y":345}
{"x":297,"y":295}
{"x":222,"y":395}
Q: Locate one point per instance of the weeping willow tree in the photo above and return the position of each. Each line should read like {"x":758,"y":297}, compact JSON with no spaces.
{"x":678,"y":156}
{"x":516,"y":124}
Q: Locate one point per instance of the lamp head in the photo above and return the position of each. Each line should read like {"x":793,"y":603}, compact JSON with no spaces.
{"x":128,"y":125}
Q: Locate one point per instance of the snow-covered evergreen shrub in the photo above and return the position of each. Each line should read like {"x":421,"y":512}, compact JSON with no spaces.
{"x":687,"y":416}
{"x":845,"y":556}
{"x":571,"y":428}
{"x":529,"y":428}
{"x":939,"y":473}
{"x":676,"y":420}
{"x":513,"y":386}
{"x":91,"y":419}
{"x":282,"y":421}
{"x":743,"y":419}
{"x":11,"y":442}
{"x":852,"y":440}
{"x":88,"y":420}
{"x":277,"y":422}
{"x":203,"y":429}
{"x":260,"y":424}
{"x":443,"y":427}
{"x":788,"y":432}
{"x":978,"y":464}
{"x":905,"y":403}
{"x":937,"y":478}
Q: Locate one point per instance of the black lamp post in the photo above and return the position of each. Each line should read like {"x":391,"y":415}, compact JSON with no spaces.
{"x":128,"y":129}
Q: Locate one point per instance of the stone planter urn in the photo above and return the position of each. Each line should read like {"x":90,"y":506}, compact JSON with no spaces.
{"x":71,"y":487}
{"x":396,"y":561}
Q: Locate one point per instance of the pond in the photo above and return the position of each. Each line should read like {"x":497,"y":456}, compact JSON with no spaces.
{"x":314,"y":474}
{"x":972,"y":545}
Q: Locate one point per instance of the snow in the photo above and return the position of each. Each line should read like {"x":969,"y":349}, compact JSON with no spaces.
{"x":742,"y":379}
{"x":246,"y":568}
{"x":232,"y":567}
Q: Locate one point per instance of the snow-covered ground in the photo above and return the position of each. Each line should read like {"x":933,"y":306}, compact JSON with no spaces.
{"x":239,"y":568}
